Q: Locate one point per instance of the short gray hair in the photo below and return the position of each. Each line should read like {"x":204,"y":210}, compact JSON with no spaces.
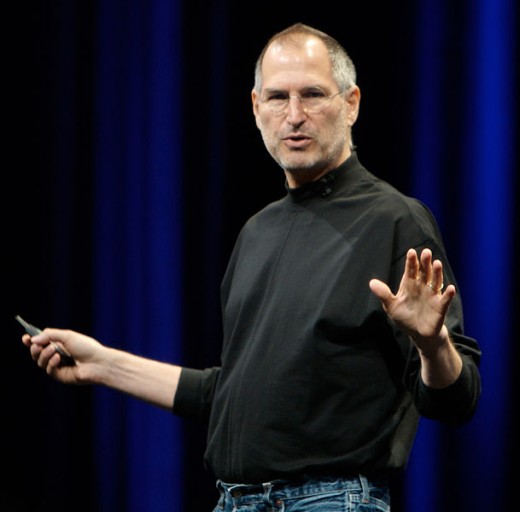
{"x":343,"y":69}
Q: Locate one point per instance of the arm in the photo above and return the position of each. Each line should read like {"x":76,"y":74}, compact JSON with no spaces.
{"x":419,"y":309}
{"x":142,"y":378}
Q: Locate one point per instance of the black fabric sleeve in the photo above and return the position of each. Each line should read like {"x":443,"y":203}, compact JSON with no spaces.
{"x":454,"y":404}
{"x":195,"y":392}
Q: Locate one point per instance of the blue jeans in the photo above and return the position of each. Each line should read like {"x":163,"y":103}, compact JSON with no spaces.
{"x":308,"y":495}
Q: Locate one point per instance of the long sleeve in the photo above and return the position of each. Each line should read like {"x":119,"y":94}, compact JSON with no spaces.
{"x":195,"y":392}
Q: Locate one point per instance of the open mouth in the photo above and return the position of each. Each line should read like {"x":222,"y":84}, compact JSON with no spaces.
{"x":297,"y":141}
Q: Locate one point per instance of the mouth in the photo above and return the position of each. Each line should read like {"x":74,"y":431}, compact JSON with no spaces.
{"x":296,"y":140}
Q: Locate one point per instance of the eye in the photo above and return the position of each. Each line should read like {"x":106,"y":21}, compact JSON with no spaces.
{"x":276,"y":96}
{"x":313,"y":94}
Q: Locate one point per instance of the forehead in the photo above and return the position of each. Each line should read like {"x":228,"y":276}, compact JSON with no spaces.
{"x":299,"y":61}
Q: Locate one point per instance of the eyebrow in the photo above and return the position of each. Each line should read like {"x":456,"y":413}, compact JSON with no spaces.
{"x":303,"y":89}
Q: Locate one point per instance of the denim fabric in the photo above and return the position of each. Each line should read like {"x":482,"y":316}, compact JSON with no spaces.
{"x":308,"y":495}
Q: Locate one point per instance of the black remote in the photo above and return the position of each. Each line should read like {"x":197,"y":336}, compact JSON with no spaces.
{"x":66,"y":359}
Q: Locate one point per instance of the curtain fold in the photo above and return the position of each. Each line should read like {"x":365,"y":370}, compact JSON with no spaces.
{"x":477,"y":214}
{"x":138,"y":241}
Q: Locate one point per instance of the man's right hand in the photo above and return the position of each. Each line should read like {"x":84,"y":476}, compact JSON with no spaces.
{"x":85,"y":351}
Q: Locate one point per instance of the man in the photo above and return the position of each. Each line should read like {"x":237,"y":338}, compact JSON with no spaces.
{"x":324,"y":370}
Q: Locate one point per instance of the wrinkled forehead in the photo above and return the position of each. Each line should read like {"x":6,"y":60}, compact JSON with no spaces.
{"x":297,"y":59}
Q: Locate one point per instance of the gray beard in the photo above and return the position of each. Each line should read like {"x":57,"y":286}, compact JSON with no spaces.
{"x":316,"y":165}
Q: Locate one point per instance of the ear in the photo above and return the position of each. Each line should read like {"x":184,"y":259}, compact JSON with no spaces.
{"x":255,"y":98}
{"x":353,"y":99}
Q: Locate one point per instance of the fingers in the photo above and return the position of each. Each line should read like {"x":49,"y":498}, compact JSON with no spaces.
{"x":432,"y":274}
{"x":419,"y":269}
{"x":46,"y":356}
{"x":411,"y":269}
{"x":436,"y":282}
{"x":448,"y":296}
{"x":57,"y":339}
{"x":425,"y":269}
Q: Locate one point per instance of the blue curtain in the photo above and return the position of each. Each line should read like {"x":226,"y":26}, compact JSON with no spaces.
{"x":138,"y":240}
{"x":453,"y":469}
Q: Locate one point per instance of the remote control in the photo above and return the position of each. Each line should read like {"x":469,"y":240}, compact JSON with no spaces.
{"x":30,"y":329}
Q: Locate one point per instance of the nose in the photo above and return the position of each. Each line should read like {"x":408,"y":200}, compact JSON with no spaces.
{"x":295,"y":111}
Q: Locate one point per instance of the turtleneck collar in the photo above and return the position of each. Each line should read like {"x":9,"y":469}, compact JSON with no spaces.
{"x":325,"y":185}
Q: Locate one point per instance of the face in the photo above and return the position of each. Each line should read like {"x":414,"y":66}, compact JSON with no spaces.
{"x":306,"y":145}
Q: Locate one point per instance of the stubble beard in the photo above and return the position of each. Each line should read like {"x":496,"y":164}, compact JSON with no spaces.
{"x":307,"y":161}
{"x":316,"y":159}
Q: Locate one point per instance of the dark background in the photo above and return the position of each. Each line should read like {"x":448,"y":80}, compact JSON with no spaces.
{"x":52,"y":56}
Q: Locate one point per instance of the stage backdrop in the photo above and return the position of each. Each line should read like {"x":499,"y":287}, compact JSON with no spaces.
{"x":136,"y":163}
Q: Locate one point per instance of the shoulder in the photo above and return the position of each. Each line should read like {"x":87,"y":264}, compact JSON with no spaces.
{"x":391,"y":213}
{"x":388,"y":202}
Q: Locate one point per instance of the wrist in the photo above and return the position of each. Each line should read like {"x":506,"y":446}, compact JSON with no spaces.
{"x":441,"y":363}
{"x":101,"y":369}
{"x":430,"y":346}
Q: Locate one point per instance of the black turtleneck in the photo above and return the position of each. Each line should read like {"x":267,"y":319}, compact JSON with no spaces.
{"x":314,"y":379}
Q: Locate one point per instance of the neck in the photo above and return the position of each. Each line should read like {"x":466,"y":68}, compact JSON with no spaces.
{"x":298,"y":177}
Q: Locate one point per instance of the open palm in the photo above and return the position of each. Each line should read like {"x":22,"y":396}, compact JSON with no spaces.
{"x":419,"y":306}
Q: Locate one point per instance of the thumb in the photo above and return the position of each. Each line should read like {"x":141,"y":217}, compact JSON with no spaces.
{"x":381,"y":291}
